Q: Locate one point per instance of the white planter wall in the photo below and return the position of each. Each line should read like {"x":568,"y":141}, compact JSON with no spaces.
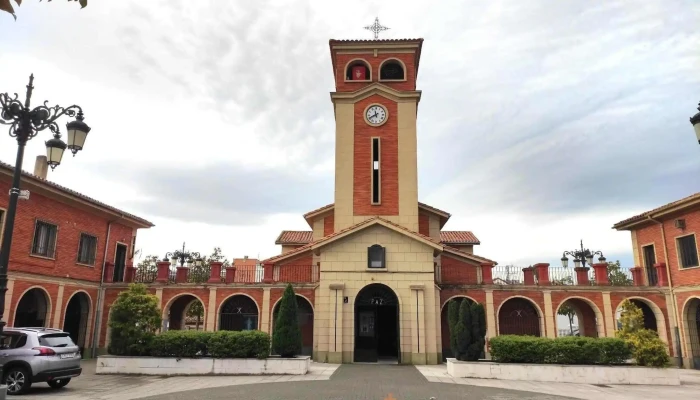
{"x":591,"y":374}
{"x":202,"y":366}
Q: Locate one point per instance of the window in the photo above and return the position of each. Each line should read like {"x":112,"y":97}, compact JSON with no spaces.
{"x":357,"y":71}
{"x":12,"y":341}
{"x":649,"y":261}
{"x":375,"y":256}
{"x":376,"y":176}
{"x":87,"y":249}
{"x":688,"y":251}
{"x":391,"y":70}
{"x":44,"y":244}
{"x":2,"y":224}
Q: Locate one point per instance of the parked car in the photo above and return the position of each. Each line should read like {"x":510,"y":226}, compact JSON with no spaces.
{"x":31,"y":355}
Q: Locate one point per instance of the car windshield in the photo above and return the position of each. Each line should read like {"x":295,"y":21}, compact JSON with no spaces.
{"x":56,"y":340}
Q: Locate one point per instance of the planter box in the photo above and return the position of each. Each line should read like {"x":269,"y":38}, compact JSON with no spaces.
{"x":202,"y":366}
{"x":591,"y":374}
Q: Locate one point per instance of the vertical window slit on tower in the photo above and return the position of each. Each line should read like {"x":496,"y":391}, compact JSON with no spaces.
{"x":375,"y":171}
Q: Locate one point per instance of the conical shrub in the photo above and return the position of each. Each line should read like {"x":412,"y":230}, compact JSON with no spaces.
{"x":286,"y":337}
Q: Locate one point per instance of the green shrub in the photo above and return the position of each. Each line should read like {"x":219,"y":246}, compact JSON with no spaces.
{"x":478,"y":334}
{"x":452,"y":320}
{"x":565,"y":350}
{"x":614,"y":351}
{"x":286,"y":338}
{"x":134,"y":318}
{"x":463,"y":331}
{"x":647,"y":349}
{"x":245,"y":344}
{"x":184,"y":344}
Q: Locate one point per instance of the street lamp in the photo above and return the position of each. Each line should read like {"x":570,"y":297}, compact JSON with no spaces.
{"x":695,"y":120}
{"x":181,"y":256}
{"x":25,"y":124}
{"x":581,"y":257}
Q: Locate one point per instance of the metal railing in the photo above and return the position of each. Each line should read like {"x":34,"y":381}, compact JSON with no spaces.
{"x":507,"y":275}
{"x":145,"y":275}
{"x":295,"y":273}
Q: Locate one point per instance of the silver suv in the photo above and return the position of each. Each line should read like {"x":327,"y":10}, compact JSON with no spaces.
{"x":30,"y":355}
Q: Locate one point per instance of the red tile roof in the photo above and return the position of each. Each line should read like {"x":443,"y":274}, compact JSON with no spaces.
{"x":458,"y":237}
{"x":294,"y":237}
{"x":72,"y":193}
{"x":245,"y":262}
{"x":309,"y":246}
{"x":689,"y":201}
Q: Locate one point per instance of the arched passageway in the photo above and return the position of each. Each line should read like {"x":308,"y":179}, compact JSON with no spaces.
{"x":305,"y":318}
{"x":186,"y":312}
{"x":577,"y":317}
{"x":519,"y":316}
{"x":75,"y":321}
{"x":692,"y":327}
{"x":445,"y":326}
{"x":238,"y":313}
{"x":650,"y":318}
{"x":376,"y":324}
{"x":32,"y":309}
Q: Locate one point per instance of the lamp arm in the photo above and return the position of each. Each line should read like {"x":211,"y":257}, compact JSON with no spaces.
{"x":43,"y":117}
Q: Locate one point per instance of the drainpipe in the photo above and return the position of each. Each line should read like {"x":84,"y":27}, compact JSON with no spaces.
{"x":672,"y":292}
{"x":100,"y":292}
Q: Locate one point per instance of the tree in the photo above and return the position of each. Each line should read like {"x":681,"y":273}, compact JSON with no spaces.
{"x":452,"y":320}
{"x":134,"y":318}
{"x":6,"y":5}
{"x":616,"y":276}
{"x":569,"y":312}
{"x":631,"y":320}
{"x":463,"y":331}
{"x":478,"y":336}
{"x":647,"y":348}
{"x":196,"y":310}
{"x":286,"y":338}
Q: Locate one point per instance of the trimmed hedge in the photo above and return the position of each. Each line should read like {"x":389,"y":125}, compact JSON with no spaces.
{"x":220,"y":344}
{"x":565,"y":350}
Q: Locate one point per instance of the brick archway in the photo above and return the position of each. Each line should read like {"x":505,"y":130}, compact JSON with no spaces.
{"x":691,"y":322}
{"x":519,"y":315}
{"x":175,"y":311}
{"x":33,"y":308}
{"x":238,"y":312}
{"x":590,"y":319}
{"x":653,"y":316}
{"x":306,"y":322}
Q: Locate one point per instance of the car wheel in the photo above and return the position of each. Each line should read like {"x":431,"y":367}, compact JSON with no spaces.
{"x":58,"y":383}
{"x":18,"y":381}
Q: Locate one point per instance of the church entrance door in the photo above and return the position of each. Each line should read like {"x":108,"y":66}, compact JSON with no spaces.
{"x":376,"y":324}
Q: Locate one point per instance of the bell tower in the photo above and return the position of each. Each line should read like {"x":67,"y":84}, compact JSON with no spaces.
{"x":376,"y":103}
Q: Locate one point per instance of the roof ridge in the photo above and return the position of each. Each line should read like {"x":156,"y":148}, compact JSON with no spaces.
{"x":657,"y":209}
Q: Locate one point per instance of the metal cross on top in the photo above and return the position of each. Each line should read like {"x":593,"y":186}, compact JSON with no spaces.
{"x":376,"y":27}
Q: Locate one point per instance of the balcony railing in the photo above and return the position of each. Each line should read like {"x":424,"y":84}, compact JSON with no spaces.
{"x":542,"y":276}
{"x":238,"y":275}
{"x":143,"y":275}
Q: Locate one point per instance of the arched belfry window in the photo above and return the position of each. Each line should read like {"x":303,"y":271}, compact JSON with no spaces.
{"x":376,"y":256}
{"x":357,"y":71}
{"x":392,"y":70}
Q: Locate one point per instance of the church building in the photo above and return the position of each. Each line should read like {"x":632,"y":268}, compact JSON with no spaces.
{"x":377,"y":246}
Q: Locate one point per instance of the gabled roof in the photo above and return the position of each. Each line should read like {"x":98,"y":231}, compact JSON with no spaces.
{"x":371,"y":222}
{"x":458,"y":238}
{"x":294,"y":237}
{"x":463,"y":254}
{"x":444,"y":215}
{"x":8,"y":169}
{"x":678,"y":205}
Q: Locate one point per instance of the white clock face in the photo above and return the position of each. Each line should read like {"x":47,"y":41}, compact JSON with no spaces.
{"x":376,"y":115}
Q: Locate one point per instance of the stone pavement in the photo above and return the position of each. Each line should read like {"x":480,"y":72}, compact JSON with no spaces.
{"x":356,"y":381}
{"x":689,"y":389}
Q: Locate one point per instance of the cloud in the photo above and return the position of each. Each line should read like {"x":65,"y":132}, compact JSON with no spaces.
{"x":540,"y":124}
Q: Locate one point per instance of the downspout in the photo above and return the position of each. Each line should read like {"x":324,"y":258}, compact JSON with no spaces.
{"x":673,"y":294}
{"x":100,"y":291}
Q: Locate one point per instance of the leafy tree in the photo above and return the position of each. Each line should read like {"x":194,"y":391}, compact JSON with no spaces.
{"x":452,"y":320}
{"x":463,"y":331}
{"x":647,"y":348}
{"x":135,"y":316}
{"x":616,"y":276}
{"x":286,"y":338}
{"x":196,"y":310}
{"x":150,"y":264}
{"x":6,"y":5}
{"x":569,"y":312}
{"x":478,"y":334}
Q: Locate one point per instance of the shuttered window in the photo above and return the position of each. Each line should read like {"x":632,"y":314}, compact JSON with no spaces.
{"x":688,"y":250}
{"x":44,"y":243}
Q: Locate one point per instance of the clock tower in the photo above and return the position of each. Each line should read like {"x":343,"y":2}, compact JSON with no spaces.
{"x":375,"y":102}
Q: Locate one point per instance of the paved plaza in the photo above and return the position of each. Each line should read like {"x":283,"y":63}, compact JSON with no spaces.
{"x":354,"y":381}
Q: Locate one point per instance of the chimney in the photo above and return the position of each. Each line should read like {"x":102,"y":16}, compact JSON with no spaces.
{"x":41,"y":167}
{"x":245,"y":257}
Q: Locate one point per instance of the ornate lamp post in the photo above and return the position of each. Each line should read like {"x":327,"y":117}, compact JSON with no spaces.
{"x":183,"y":256}
{"x":695,"y":120}
{"x":25,"y":124}
{"x":581,"y":257}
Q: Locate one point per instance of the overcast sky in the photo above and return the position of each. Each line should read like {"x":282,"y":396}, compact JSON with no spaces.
{"x":541,"y":122}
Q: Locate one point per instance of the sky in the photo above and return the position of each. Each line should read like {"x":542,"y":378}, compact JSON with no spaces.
{"x":541,"y":123}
